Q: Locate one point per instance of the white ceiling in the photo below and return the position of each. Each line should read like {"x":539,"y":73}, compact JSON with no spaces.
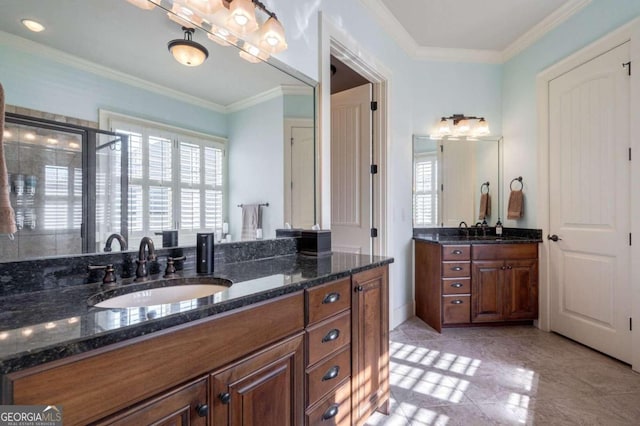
{"x":474,"y":30}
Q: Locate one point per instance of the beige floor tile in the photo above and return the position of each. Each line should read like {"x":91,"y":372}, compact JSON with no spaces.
{"x":449,"y":415}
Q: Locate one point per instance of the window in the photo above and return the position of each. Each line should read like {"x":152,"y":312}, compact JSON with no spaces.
{"x":176,"y":178}
{"x":425,"y":195}
{"x":62,"y":197}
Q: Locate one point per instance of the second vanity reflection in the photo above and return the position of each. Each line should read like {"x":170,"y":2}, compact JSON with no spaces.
{"x":449,"y":177}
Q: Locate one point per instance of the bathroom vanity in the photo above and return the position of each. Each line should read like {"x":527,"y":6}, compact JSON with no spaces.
{"x":295,"y":340}
{"x":463,"y":280}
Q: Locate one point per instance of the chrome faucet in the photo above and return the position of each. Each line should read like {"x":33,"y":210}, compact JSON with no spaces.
{"x":121,"y":240}
{"x":142,"y":274}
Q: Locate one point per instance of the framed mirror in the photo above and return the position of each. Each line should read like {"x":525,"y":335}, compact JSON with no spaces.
{"x":98,"y":60}
{"x":450,"y":177}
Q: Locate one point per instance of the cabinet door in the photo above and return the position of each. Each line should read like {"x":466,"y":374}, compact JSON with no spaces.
{"x":487,"y":291}
{"x":370,"y":343}
{"x":265,"y":389}
{"x":521,"y":289}
{"x":186,"y":405}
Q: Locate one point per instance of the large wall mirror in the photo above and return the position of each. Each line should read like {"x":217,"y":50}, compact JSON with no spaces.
{"x":450,"y":175}
{"x":220,"y":135}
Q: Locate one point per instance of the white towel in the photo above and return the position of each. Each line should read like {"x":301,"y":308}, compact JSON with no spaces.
{"x":250,"y":221}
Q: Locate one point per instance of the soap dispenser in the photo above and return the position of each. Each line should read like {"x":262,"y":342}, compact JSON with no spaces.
{"x":499,"y":228}
{"x":204,"y":253}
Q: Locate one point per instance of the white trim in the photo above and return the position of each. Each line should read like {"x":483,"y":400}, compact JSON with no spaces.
{"x":103,"y":71}
{"x":289,"y":124}
{"x":556,"y":18}
{"x":254,"y":100}
{"x":401,"y":314}
{"x":629,"y":31}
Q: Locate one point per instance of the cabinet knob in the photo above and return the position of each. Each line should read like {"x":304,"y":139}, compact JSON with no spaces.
{"x":359,"y":289}
{"x":509,"y":267}
{"x":331,"y":412}
{"x":456,"y":285}
{"x":457,"y":302}
{"x":503,"y":267}
{"x":456,"y":252}
{"x":331,"y":298}
{"x":202,"y":410}
{"x":457,"y":268}
{"x":332,"y":373}
{"x":225,"y":397}
{"x":330,"y":336}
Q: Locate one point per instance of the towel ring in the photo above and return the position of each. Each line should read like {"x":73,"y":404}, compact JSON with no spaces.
{"x":519,"y":179}
{"x":482,"y":187}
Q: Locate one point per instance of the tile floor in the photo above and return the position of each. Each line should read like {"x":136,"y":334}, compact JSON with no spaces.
{"x":516,"y":375}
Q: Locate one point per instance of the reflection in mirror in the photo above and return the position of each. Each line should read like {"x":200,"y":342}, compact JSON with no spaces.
{"x":260,"y":116}
{"x":450,"y":175}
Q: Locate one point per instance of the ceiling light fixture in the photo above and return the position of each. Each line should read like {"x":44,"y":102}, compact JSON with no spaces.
{"x":32,"y":25}
{"x":186,"y":51}
{"x":242,"y":17}
{"x":462,"y":126}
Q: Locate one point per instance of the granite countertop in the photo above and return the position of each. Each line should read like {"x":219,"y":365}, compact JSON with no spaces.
{"x":47,"y":325}
{"x":475,"y":235}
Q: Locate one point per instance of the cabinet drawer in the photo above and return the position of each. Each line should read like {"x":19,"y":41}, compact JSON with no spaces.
{"x":326,"y":376}
{"x":334,"y":410}
{"x":505,"y":251}
{"x":456,"y":309}
{"x":328,"y":299}
{"x":456,"y":286}
{"x":456,"y":252}
{"x":328,"y":336}
{"x":456,"y":269}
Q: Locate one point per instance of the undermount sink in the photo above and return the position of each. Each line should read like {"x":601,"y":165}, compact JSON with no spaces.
{"x":159,"y":292}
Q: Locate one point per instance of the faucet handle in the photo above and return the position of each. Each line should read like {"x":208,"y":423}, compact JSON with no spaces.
{"x":109,"y":272}
{"x":171,"y":269}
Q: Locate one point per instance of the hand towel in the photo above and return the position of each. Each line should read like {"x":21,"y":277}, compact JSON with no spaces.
{"x":485,"y":206}
{"x":7,"y":215}
{"x":515,"y":209}
{"x":250,"y":221}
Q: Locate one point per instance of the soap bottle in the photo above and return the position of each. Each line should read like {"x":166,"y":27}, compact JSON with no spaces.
{"x":204,"y":253}
{"x":499,"y":228}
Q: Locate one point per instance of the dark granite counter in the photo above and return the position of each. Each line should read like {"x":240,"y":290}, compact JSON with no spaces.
{"x":477,"y":235}
{"x":53,"y":323}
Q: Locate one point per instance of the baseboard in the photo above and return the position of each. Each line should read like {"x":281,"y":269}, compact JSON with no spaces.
{"x":401,"y":314}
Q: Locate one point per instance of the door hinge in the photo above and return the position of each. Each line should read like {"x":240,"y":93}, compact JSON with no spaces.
{"x":374,"y":169}
{"x":374,"y":232}
{"x":291,"y":141}
{"x":374,"y":105}
{"x":629,"y":238}
{"x":629,"y":153}
{"x":627,"y":65}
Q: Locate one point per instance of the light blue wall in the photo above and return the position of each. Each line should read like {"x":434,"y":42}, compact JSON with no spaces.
{"x":36,"y":82}
{"x":519,"y":88}
{"x":299,"y":106}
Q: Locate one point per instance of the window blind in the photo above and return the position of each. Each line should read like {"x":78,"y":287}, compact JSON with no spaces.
{"x":425,"y":198}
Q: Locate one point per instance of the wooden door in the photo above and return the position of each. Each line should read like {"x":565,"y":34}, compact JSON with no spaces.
{"x":350,"y":171}
{"x":487,"y":290}
{"x":186,"y":405}
{"x":520,"y":290}
{"x":589,"y":173}
{"x":263,"y":390}
{"x":370,"y":343}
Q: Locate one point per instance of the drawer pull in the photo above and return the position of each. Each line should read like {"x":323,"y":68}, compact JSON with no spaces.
{"x":331,"y":298}
{"x":456,"y":252}
{"x":456,"y":285}
{"x":457,"y":302}
{"x":332,"y":373}
{"x":457,"y":268}
{"x":331,"y":412}
{"x":330,"y":336}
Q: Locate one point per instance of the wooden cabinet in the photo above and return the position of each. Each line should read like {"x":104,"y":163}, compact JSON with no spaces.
{"x":186,"y":405}
{"x":505,"y":287}
{"x":265,"y":389}
{"x":474,"y":284}
{"x":370,"y":343}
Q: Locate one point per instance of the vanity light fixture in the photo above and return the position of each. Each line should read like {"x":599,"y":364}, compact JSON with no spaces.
{"x":32,"y":25}
{"x":186,"y":51}
{"x":462,"y":126}
{"x":7,"y":134}
{"x":143,"y":4}
{"x":242,"y":17}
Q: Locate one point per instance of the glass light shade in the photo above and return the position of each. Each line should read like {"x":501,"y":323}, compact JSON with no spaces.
{"x":187,"y":51}
{"x":272,"y":37}
{"x":204,"y":7}
{"x":482,"y":128}
{"x":142,"y":4}
{"x":32,"y":25}
{"x":462,"y":128}
{"x":242,"y":17}
{"x":222,"y":36}
{"x":443,"y":127}
{"x":184,"y":16}
{"x":253,"y":54}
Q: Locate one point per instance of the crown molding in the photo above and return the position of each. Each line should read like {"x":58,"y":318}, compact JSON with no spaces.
{"x":296,"y":90}
{"x":392,"y":26}
{"x":254,"y":100}
{"x":543,"y":27}
{"x":103,"y":71}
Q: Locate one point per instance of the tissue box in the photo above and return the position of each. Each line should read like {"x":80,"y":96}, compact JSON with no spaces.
{"x":315,"y":243}
{"x":283,"y":233}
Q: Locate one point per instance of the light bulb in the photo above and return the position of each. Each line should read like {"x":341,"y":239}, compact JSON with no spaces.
{"x":272,"y":37}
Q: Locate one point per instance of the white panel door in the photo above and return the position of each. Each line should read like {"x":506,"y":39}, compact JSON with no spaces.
{"x":458,"y":182}
{"x":350,"y":173}
{"x":299,"y":173}
{"x":589,"y":204}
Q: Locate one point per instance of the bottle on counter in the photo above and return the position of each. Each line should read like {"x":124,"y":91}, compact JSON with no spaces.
{"x":498,"y":227}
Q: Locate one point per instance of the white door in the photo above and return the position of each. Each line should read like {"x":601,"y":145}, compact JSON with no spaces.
{"x":589,"y":204}
{"x":299,"y":173}
{"x":350,"y":171}
{"x":458,"y":183}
